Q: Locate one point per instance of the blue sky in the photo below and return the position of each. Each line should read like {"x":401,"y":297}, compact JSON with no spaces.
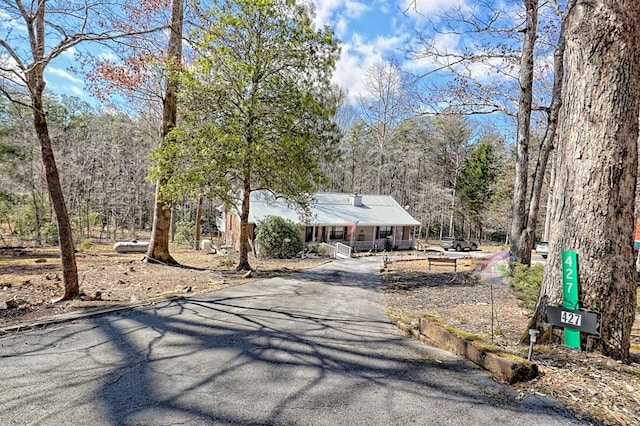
{"x":370,"y":31}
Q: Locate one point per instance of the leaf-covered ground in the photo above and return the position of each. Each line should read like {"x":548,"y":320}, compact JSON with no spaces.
{"x":598,"y":389}
{"x":30,"y":279}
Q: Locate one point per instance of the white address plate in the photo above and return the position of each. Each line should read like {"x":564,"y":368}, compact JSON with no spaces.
{"x":571,"y":318}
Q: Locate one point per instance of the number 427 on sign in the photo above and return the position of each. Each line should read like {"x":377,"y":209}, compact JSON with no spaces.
{"x":571,"y":318}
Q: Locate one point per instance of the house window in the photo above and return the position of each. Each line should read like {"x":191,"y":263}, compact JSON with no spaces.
{"x":385,"y":231}
{"x":337,"y":233}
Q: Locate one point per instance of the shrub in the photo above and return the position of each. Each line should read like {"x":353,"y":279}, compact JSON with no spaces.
{"x":85,"y":245}
{"x":226,"y":262}
{"x":526,"y":282}
{"x":184,"y":231}
{"x":278,"y":238}
{"x":313,"y":247}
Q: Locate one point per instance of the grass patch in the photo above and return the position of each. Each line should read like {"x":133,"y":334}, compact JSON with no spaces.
{"x":84,"y":245}
{"x":474,"y":339}
{"x":526,"y":282}
{"x":226,"y":262}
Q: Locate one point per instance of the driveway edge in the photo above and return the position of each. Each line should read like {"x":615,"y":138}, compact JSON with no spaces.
{"x":505,"y":367}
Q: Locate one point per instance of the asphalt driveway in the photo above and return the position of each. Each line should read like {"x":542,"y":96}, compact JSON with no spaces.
{"x":314,"y":348}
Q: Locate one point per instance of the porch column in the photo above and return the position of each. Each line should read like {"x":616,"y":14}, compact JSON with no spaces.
{"x":375,"y":236}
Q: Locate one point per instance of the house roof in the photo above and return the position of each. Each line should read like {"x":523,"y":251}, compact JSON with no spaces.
{"x":335,"y":210}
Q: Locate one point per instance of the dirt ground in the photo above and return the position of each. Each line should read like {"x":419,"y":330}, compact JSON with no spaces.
{"x":597,"y":389}
{"x":30,"y":279}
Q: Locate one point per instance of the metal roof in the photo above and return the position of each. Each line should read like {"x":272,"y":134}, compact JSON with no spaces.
{"x":335,"y":210}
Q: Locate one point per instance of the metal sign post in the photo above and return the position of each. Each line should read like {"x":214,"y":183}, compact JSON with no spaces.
{"x":570,"y":295}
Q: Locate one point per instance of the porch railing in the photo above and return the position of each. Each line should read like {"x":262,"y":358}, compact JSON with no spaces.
{"x":335,"y":248}
{"x":343,"y":250}
{"x":379,"y":245}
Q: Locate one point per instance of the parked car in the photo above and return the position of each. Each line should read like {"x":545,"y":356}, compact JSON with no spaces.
{"x":542,"y":248}
{"x":457,"y":244}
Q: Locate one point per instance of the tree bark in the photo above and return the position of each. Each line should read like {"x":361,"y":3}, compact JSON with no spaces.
{"x":243,"y":264}
{"x":520,"y":240}
{"x":65,"y":233}
{"x":158,"y":250}
{"x":159,"y":243}
{"x":524,"y":225}
{"x":596,"y":170}
{"x":198,"y":220}
{"x":36,"y":85}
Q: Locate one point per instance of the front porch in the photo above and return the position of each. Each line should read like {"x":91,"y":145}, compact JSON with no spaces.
{"x":366,"y":238}
{"x":379,"y":245}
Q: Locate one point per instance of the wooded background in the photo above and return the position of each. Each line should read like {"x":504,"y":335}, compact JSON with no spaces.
{"x":104,"y":156}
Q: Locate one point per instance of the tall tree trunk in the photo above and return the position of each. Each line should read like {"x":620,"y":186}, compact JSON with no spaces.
{"x":36,"y":84}
{"x":520,"y":240}
{"x":527,"y":202}
{"x":243,"y":264}
{"x":198,"y":220}
{"x":158,"y":250}
{"x":159,"y":243}
{"x":547,"y":219}
{"x":452,"y":211}
{"x":596,"y":169}
{"x":65,"y":234}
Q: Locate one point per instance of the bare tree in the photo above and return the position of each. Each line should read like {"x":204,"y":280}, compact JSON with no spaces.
{"x":63,"y":26}
{"x":159,"y":243}
{"x":526,"y":198}
{"x":105,"y":159}
{"x":449,"y":148}
{"x":385,"y":108}
{"x":487,"y":70}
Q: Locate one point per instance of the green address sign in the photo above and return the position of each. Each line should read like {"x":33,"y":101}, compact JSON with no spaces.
{"x":570,"y":295}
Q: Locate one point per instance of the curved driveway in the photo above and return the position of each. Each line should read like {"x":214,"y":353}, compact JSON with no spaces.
{"x":313,"y":348}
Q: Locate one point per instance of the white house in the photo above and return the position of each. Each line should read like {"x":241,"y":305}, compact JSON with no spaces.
{"x":363,"y":222}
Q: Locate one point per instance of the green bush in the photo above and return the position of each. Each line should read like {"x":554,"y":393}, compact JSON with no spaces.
{"x":49,"y":232}
{"x":313,"y":247}
{"x":185,"y":231}
{"x":85,"y":245}
{"x":278,"y":238}
{"x":226,"y":262}
{"x":526,"y":282}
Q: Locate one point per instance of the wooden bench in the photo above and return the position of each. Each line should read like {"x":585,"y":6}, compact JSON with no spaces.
{"x":446,"y":261}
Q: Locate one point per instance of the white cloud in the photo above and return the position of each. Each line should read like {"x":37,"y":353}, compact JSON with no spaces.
{"x":77,"y":91}
{"x":9,"y":68}
{"x":326,"y":10}
{"x":7,"y":21}
{"x":423,"y":7}
{"x":70,"y":53}
{"x":341,"y":27}
{"x":63,"y":74}
{"x":353,"y":9}
{"x":108,"y":56}
{"x":358,"y":52}
{"x":443,"y":44}
{"x":66,"y":89}
{"x":359,"y":55}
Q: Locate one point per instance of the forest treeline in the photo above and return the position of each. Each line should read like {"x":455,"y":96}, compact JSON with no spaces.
{"x":449,"y":172}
